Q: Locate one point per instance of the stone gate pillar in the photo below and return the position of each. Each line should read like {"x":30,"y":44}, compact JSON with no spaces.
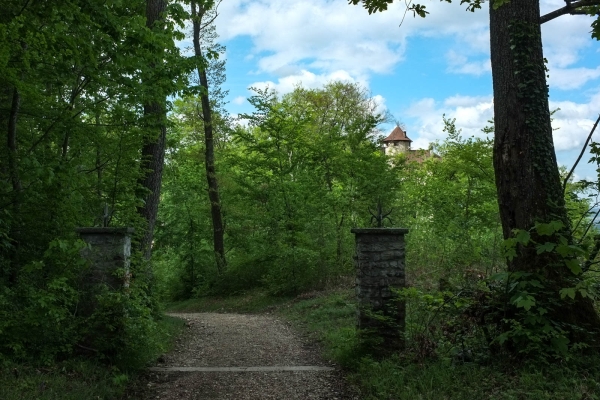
{"x":108,"y":252}
{"x":379,"y":264}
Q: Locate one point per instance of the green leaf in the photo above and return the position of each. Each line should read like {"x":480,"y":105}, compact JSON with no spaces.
{"x":522,"y":236}
{"x":499,"y":3}
{"x":525,"y":302}
{"x":567,"y":292}
{"x":542,"y":311}
{"x":563,"y":249}
{"x":550,"y":228}
{"x":535,"y":283}
{"x":545,"y":248}
{"x":574,"y":266}
{"x":560,"y":344}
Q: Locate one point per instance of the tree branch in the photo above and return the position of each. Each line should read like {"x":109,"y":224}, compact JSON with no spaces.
{"x":572,"y":8}
{"x":580,"y":154}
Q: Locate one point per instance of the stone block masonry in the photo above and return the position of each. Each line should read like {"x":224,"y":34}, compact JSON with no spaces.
{"x":108,"y":252}
{"x":379,"y":263}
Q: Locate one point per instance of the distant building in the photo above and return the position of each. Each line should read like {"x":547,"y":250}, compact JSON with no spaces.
{"x":398,"y":143}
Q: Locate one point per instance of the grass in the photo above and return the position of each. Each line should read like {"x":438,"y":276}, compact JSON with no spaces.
{"x":74,"y":380}
{"x":78,"y":379}
{"x":249,"y":302}
{"x":331,"y":318}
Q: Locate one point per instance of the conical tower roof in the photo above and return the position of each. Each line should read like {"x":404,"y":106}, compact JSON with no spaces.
{"x":397,"y":135}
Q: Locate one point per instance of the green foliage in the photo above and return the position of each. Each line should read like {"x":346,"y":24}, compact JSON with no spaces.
{"x":450,"y":206}
{"x":293,"y":182}
{"x":251,"y":301}
{"x":373,"y":6}
{"x":46,"y":316}
{"x":332,"y":317}
{"x":76,"y":74}
{"x":452,"y":374}
{"x":530,"y":317}
{"x":79,"y":378}
{"x":446,"y":325}
{"x":43,"y":301}
{"x":72,"y":380}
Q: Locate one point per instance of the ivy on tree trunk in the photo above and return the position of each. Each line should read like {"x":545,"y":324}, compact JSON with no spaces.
{"x":527,"y":177}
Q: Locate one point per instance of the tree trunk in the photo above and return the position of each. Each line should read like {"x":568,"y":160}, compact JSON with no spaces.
{"x":527,"y":177}
{"x":17,"y":187}
{"x":153,"y":149}
{"x":209,"y":159}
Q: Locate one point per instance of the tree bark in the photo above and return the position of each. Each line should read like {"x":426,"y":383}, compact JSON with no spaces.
{"x":209,"y":159}
{"x":153,"y":149}
{"x":17,"y":187}
{"x":12,"y":142}
{"x":527,"y":176}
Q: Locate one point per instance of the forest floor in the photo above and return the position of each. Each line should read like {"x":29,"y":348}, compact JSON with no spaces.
{"x":243,"y":356}
{"x":254,"y":330}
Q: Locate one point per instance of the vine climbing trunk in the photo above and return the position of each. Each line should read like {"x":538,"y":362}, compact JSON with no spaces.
{"x":209,"y":157}
{"x":527,"y":177}
{"x":153,"y":148}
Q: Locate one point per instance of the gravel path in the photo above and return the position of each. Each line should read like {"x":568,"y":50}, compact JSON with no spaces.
{"x":236,"y":340}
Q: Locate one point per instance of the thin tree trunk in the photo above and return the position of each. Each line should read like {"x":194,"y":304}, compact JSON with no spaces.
{"x":209,"y":159}
{"x":527,"y":177}
{"x":99,"y":167}
{"x":17,"y":187}
{"x":12,"y":142}
{"x":153,"y":149}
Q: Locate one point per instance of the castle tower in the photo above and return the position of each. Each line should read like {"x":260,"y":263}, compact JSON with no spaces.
{"x":396,"y":142}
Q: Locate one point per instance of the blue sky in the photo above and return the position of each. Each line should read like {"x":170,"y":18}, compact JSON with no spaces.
{"x":418,"y":71}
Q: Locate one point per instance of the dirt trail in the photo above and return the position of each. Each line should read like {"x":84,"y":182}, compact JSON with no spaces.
{"x":236,"y":340}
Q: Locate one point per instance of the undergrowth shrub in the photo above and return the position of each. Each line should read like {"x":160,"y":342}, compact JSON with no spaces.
{"x":446,"y":325}
{"x":520,"y":314}
{"x":51,"y":314}
{"x":38,"y":319}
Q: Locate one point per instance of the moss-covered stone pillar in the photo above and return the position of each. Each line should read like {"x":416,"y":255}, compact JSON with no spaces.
{"x":379,"y":263}
{"x":108,"y":252}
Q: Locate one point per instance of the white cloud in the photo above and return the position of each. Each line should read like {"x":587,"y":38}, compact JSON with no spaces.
{"x":565,"y":36}
{"x":325,"y":36}
{"x":572,"y":122}
{"x":572,"y":78}
{"x":239,"y":100}
{"x":380,"y":106}
{"x":292,"y":37}
{"x":471,"y":113}
{"x":458,"y":63}
{"x":305,"y":79}
{"x":320,"y":35}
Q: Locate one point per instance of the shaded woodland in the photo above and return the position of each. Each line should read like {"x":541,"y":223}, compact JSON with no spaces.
{"x":105,"y":122}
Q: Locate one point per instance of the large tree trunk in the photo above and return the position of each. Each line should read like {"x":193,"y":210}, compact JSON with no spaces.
{"x":209,"y":159}
{"x":153,"y":149}
{"x":527,"y":177}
